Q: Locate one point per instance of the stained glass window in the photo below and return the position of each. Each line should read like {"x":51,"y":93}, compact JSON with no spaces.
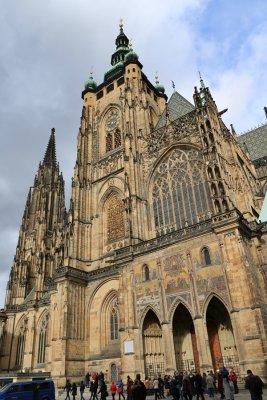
{"x":108,"y":142}
{"x":117,"y":139}
{"x":115,"y":218}
{"x":180,"y":192}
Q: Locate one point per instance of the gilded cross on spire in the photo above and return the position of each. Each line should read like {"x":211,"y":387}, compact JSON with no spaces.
{"x":121,"y":23}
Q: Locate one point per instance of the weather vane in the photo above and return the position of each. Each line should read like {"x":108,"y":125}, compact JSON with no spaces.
{"x":173,"y":85}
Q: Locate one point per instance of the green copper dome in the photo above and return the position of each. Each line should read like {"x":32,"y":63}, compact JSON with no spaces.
{"x":90,"y":83}
{"x":131,"y":56}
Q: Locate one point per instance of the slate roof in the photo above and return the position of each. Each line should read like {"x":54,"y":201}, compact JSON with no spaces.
{"x":177,"y":107}
{"x":255,"y":142}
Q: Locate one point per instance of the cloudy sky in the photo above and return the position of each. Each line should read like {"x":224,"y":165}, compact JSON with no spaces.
{"x":48,"y":47}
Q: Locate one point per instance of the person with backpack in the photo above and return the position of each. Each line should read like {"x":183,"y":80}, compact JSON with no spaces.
{"x":120,"y":389}
{"x":103,"y":390}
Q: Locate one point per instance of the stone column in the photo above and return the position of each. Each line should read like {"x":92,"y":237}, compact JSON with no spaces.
{"x":203,"y":346}
{"x":167,"y":337}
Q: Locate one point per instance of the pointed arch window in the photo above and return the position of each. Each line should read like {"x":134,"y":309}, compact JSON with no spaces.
{"x":109,"y":142}
{"x":180,"y":193}
{"x":113,"y":133}
{"x":115,"y":218}
{"x":21,"y":344}
{"x":42,"y":340}
{"x":206,"y":256}
{"x":117,"y":138}
{"x":114,"y":323}
{"x":146,"y":273}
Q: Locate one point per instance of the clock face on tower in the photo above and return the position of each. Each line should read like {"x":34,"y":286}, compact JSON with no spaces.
{"x":112,"y":121}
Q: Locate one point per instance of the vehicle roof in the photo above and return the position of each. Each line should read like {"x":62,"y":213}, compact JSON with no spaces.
{"x":34,"y":381}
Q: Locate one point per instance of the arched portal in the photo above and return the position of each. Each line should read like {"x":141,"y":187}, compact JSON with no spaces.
{"x":153,"y":345}
{"x":221,"y":337}
{"x":184,"y":337}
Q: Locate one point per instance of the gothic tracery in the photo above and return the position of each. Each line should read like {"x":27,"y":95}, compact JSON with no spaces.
{"x":180,"y":192}
{"x":115,"y":219}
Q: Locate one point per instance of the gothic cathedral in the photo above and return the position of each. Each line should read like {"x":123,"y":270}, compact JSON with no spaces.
{"x":159,"y":264}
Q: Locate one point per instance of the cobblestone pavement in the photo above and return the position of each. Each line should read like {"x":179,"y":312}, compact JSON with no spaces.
{"x":242,"y":395}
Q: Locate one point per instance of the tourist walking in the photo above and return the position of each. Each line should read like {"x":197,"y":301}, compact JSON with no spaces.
{"x":187,"y":389}
{"x":68,"y":389}
{"x":129,"y":388}
{"x":94,"y":389}
{"x":210,"y":385}
{"x":113,"y":389}
{"x":161,"y":387}
{"x":156,"y":388}
{"x":87,"y":379}
{"x":82,"y":389}
{"x":199,"y":386}
{"x":138,"y":389}
{"x":233,"y":378}
{"x":228,"y":386}
{"x":254,"y":384}
{"x":74,"y":390}
{"x":103,"y":389}
{"x":120,"y":389}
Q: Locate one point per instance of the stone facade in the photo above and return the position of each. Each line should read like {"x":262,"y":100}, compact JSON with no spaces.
{"x":159,"y":264}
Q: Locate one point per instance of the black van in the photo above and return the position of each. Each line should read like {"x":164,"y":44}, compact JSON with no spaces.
{"x":25,"y":390}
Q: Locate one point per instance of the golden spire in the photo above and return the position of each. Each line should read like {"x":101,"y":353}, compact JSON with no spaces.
{"x":121,"y":23}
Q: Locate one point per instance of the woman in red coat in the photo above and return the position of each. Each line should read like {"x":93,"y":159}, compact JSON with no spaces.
{"x":113,"y":389}
{"x":233,"y":378}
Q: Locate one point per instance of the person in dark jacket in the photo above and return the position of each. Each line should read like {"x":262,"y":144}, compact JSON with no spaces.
{"x":68,"y":389}
{"x":254,"y":384}
{"x":175,"y":388}
{"x":103,"y":390}
{"x":199,"y":386}
{"x":138,"y":389}
{"x":87,"y":379}
{"x":129,"y":388}
{"x":74,"y":390}
{"x":187,"y":389}
{"x":82,"y":389}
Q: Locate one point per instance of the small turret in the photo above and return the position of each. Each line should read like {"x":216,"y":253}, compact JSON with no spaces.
{"x":160,"y":88}
{"x":90,"y":83}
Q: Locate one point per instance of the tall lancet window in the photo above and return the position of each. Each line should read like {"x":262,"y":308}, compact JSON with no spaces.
{"x":115,"y":218}
{"x":113,"y":133}
{"x":21,"y":343}
{"x":180,"y":192}
{"x":42,"y":340}
{"x":114,"y":322}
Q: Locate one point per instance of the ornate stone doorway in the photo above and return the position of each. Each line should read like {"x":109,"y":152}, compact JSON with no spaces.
{"x":184,"y":337}
{"x":221,"y":337}
{"x":153,"y":346}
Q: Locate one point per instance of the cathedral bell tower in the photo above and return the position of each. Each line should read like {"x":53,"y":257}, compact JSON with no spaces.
{"x":109,"y":202}
{"x":42,"y":225}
